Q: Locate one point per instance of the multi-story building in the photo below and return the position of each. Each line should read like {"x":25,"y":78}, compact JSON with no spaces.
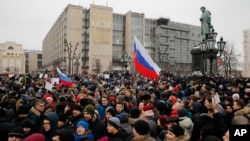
{"x":95,"y":39}
{"x":33,"y":61}
{"x":246,"y":52}
{"x":11,"y":58}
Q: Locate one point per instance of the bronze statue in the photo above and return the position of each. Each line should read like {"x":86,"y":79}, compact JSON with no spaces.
{"x":205,"y":22}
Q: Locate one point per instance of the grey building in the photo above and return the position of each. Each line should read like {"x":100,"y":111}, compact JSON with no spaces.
{"x":93,"y":40}
{"x":33,"y":61}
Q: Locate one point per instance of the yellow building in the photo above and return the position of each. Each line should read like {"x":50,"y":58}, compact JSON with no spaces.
{"x":12,"y":58}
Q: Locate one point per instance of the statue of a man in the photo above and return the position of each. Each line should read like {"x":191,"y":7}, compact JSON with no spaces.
{"x":205,"y":22}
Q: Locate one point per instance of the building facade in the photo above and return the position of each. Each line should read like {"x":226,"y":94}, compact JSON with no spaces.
{"x":93,"y":40}
{"x":33,"y":61}
{"x":246,"y":52}
{"x":12,"y":58}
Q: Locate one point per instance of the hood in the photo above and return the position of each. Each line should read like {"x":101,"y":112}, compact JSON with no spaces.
{"x":186,"y":123}
{"x":35,"y":137}
{"x":53,"y":118}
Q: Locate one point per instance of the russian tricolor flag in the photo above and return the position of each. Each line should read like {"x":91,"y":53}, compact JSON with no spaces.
{"x":65,"y":80}
{"x":143,"y":62}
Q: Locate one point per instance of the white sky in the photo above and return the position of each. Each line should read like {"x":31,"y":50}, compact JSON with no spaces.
{"x":27,"y":22}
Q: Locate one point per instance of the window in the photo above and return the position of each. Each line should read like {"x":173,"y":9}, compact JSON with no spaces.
{"x":10,"y":48}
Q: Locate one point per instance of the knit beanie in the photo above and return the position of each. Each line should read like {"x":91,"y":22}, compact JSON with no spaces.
{"x":89,"y":109}
{"x":112,"y":111}
{"x":141,"y":127}
{"x":26,"y":123}
{"x":115,"y":122}
{"x":177,"y":130}
{"x":83,"y":124}
{"x":23,"y":109}
{"x":124,"y":118}
{"x":17,"y":132}
{"x":35,"y":137}
{"x":134,"y":112}
{"x":182,"y":112}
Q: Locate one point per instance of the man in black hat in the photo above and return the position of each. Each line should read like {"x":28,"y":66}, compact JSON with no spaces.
{"x":16,"y":134}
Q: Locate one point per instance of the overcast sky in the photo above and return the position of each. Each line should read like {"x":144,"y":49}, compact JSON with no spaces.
{"x":27,"y":22}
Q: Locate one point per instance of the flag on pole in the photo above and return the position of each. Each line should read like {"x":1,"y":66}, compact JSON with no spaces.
{"x":143,"y":62}
{"x":65,"y":80}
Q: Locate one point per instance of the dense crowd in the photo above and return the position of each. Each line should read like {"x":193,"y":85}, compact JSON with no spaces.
{"x":123,"y":107}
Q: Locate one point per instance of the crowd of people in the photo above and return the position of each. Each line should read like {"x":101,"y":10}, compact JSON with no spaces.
{"x":123,"y":107}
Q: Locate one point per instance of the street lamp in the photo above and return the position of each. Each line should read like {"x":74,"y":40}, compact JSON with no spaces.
{"x":209,"y":50}
{"x":68,"y":49}
{"x":125,"y":59}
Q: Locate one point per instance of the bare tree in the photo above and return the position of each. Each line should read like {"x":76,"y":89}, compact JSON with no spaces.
{"x":230,"y":58}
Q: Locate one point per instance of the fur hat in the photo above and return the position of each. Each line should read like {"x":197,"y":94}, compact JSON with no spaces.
{"x":177,"y":130}
{"x":115,"y":122}
{"x":83,"y":124}
{"x":89,"y":109}
{"x":141,"y":127}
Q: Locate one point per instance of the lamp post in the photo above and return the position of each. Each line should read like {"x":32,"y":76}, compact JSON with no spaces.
{"x":209,"y":50}
{"x":162,"y":54}
{"x":68,"y":48}
{"x":125,"y":59}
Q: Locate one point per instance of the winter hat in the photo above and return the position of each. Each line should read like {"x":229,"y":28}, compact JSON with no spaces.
{"x":134,"y":112}
{"x":83,"y":124}
{"x":161,"y":105}
{"x":141,"y":127}
{"x":35,"y":137}
{"x":112,"y":98}
{"x":49,"y":98}
{"x":23,"y":109}
{"x":17,"y":132}
{"x":112,"y":111}
{"x":115,"y":122}
{"x":124,"y":118}
{"x":163,"y":121}
{"x":229,"y":99}
{"x":26,"y":123}
{"x":173,"y":98}
{"x":89,"y":109}
{"x":78,"y":107}
{"x":182,"y":112}
{"x":148,"y":107}
{"x":177,"y":130}
{"x":148,"y":111}
{"x":235,"y":95}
